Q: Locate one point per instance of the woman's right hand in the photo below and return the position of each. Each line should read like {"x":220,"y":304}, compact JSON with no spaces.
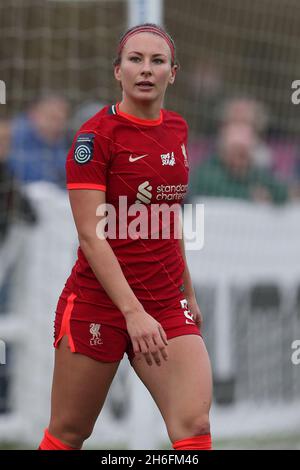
{"x":148,"y":337}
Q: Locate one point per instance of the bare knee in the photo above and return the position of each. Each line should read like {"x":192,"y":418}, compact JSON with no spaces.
{"x":69,"y":433}
{"x":189,"y":427}
{"x":200,"y":425}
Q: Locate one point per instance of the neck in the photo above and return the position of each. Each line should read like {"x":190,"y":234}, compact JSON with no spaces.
{"x":142,"y":110}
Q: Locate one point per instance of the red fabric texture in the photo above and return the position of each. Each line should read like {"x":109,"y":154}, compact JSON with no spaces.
{"x":141,"y":162}
{"x":50,"y":442}
{"x":202,"y":442}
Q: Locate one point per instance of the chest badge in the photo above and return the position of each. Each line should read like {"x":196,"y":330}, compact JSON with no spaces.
{"x":168,"y":159}
{"x":186,"y":162}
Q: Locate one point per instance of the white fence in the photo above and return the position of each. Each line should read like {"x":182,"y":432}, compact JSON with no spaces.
{"x":245,"y":245}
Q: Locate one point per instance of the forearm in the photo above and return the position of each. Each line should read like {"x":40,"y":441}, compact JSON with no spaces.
{"x":108,"y":272}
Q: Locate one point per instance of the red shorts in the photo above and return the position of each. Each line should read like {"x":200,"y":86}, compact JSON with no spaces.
{"x":101,"y":333}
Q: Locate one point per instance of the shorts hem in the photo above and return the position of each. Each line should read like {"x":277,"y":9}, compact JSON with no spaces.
{"x":87,"y":353}
{"x":182,"y":332}
{"x":171,"y":335}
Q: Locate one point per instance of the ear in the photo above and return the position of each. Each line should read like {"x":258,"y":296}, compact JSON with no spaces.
{"x":117,"y":72}
{"x":173,"y":74}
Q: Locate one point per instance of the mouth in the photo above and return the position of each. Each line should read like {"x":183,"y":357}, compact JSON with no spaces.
{"x":145,"y":84}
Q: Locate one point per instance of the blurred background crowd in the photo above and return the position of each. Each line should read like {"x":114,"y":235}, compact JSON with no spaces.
{"x":234,"y":156}
{"x":235,"y":153}
{"x":234,"y":89}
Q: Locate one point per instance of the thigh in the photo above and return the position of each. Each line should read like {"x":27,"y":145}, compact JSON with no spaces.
{"x":87,"y":356}
{"x":80,"y":386}
{"x":181,"y":386}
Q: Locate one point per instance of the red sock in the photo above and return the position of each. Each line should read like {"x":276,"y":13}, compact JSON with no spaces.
{"x":202,"y":442}
{"x":50,"y":442}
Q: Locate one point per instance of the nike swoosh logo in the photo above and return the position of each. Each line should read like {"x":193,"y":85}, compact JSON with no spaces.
{"x":131,"y":159}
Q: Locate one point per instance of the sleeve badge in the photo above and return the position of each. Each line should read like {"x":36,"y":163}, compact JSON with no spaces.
{"x":84,"y":148}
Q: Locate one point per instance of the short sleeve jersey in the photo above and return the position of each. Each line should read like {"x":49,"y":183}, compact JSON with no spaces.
{"x":145,"y":162}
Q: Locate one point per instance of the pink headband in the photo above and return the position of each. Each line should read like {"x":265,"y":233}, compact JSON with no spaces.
{"x":147,"y":29}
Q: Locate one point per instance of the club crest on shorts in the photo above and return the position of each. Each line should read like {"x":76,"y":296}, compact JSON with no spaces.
{"x":96,"y":335}
{"x":84,"y":148}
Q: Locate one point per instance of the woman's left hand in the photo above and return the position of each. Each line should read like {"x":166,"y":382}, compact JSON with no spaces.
{"x":195,"y":311}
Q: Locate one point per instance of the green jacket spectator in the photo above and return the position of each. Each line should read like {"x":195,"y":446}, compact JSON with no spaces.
{"x":231,"y":174}
{"x":214,"y":179}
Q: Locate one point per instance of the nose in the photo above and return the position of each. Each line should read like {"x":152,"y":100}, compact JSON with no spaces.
{"x":146,"y":68}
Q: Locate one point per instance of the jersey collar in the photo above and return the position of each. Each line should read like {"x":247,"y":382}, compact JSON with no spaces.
{"x":144,"y":122}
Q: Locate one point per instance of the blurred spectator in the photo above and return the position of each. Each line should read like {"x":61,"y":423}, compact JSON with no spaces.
{"x":245,"y":111}
{"x":231,"y":172}
{"x":252,"y":113}
{"x":84,"y":112}
{"x":205,"y":93}
{"x":39,"y":143}
{"x":13,"y":204}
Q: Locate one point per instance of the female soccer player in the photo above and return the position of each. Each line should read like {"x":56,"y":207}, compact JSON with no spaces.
{"x":130,"y":292}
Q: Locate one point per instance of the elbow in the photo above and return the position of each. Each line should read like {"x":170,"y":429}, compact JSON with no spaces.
{"x":88,"y":241}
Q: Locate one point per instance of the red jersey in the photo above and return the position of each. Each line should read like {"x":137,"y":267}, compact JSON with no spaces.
{"x":146,"y":161}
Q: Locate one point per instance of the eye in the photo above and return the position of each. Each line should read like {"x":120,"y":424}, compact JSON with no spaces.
{"x":134,"y":58}
{"x":158,"y":61}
